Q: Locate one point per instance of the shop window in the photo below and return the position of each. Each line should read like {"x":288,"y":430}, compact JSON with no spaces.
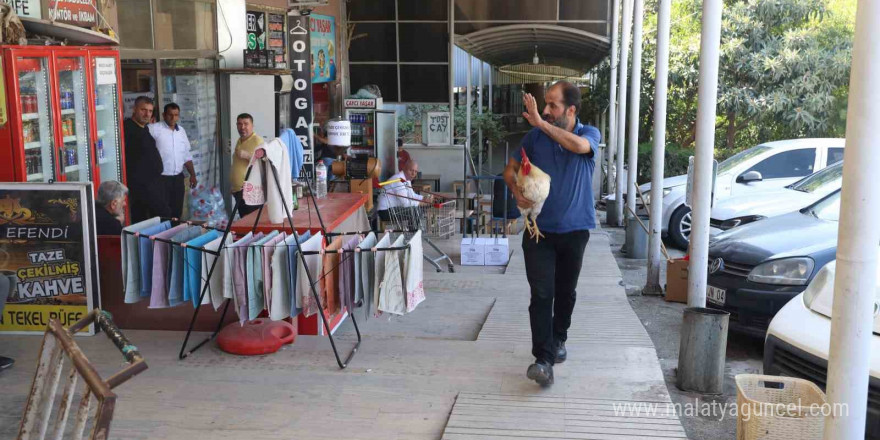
{"x":138,"y":79}
{"x":184,"y":24}
{"x":135,"y":24}
{"x":410,"y":10}
{"x":378,"y":44}
{"x":383,"y":75}
{"x":419,"y":83}
{"x":374,"y":10}
{"x":424,"y":42}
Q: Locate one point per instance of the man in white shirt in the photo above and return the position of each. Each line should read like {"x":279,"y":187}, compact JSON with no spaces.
{"x":401,"y":194}
{"x":174,"y":147}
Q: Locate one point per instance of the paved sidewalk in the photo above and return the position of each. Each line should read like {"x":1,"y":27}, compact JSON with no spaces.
{"x":455,"y":368}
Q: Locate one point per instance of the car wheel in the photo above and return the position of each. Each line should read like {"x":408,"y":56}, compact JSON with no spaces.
{"x":680,"y":227}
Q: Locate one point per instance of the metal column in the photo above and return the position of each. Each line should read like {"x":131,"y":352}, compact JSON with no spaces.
{"x":611,"y":142}
{"x":635,"y":96}
{"x":707,"y":100}
{"x":856,"y":274}
{"x":451,"y":73}
{"x":658,"y":154}
{"x":620,"y":135}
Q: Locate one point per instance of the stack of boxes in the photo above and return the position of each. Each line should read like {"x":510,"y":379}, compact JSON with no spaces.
{"x":484,"y":251}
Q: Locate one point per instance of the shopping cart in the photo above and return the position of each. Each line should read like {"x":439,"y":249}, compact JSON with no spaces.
{"x":435,"y":220}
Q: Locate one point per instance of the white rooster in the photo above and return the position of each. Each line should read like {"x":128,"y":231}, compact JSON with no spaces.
{"x":533,"y":184}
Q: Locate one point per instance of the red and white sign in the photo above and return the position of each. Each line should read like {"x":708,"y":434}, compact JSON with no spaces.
{"x":76,"y":12}
{"x":362,"y":103}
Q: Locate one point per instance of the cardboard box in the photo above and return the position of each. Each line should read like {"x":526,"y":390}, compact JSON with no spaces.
{"x":677,"y":281}
{"x":497,"y":251}
{"x":472,"y":252}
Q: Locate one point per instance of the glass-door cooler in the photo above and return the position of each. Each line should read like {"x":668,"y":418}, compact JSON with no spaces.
{"x":374,"y":134}
{"x":59,"y":114}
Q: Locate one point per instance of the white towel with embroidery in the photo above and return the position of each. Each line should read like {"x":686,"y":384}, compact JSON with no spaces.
{"x":315,"y":262}
{"x":215,"y":283}
{"x":279,"y":302}
{"x":379,"y":272}
{"x":392,"y":298}
{"x":131,"y":269}
{"x":413,"y":283}
{"x":253,"y":192}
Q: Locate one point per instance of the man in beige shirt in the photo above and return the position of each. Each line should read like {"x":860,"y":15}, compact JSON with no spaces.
{"x":241,"y":157}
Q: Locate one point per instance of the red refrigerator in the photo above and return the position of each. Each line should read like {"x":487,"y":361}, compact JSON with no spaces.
{"x":60,"y":114}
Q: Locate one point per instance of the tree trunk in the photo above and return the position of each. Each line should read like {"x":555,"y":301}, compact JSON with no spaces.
{"x":731,"y":129}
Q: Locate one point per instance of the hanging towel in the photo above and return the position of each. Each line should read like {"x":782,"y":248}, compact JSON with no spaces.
{"x":254,"y":270}
{"x":279,"y":307}
{"x":294,"y":150}
{"x":145,"y":249}
{"x":253,"y":191}
{"x":415,"y":290}
{"x":296,"y":299}
{"x":215,"y":281}
{"x":313,"y":244}
{"x":366,"y":260}
{"x":346,"y":274}
{"x":330,"y":278}
{"x":229,"y":265}
{"x":131,"y":266}
{"x":240,"y":276}
{"x":379,"y":272}
{"x":162,"y":267}
{"x":392,"y":298}
{"x":192,"y":276}
{"x":175,"y":284}
{"x":268,"y":252}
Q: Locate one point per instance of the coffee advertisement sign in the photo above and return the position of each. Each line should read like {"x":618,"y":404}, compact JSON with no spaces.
{"x":47,"y":255}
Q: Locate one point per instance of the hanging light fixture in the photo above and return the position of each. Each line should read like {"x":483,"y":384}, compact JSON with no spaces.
{"x":535,"y":59}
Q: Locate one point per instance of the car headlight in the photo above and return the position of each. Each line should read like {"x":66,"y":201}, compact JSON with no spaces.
{"x":647,"y":195}
{"x":739,"y":221}
{"x":787,"y":271}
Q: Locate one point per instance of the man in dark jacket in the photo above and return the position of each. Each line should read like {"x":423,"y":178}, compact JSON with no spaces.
{"x":110,"y":208}
{"x":143,"y":165}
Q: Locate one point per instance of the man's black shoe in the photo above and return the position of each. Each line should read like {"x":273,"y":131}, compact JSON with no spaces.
{"x":541,"y":372}
{"x":561,"y":353}
{"x":6,"y":362}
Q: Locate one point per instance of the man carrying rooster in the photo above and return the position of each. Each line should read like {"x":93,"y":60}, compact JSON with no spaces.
{"x":559,"y":149}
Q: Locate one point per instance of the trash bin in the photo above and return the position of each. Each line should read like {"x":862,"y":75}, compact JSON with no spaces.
{"x":636,"y":238}
{"x":611,"y":213}
{"x":778,"y":408}
{"x":702,"y":351}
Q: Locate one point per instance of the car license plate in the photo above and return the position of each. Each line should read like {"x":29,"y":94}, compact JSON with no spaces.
{"x":716,"y":295}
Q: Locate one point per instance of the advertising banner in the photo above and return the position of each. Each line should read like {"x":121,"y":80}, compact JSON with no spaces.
{"x":76,"y":12}
{"x":256,"y":30}
{"x":47,"y":255}
{"x":301,"y":95}
{"x":323,"y":36}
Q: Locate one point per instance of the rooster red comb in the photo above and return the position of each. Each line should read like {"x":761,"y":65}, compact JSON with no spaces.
{"x":526,"y":163}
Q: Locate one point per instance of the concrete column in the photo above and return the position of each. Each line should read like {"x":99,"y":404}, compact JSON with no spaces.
{"x":707,"y":100}
{"x":467,"y":103}
{"x":480,"y":131}
{"x":658,"y":153}
{"x":635,"y":96}
{"x":610,"y":143}
{"x":620,"y":134}
{"x":854,"y":284}
{"x":491,"y":98}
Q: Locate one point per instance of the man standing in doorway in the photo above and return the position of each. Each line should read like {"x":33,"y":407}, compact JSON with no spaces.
{"x":563,"y":148}
{"x":143,"y":164}
{"x":248,"y":141}
{"x":173,"y":146}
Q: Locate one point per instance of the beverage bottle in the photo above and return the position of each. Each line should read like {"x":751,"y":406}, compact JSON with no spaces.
{"x":321,"y":178}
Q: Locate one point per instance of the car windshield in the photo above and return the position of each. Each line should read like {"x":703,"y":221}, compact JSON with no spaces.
{"x":822,"y":180}
{"x":741,"y":157}
{"x":827,"y":208}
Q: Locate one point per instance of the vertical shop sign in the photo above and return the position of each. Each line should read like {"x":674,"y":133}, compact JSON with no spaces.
{"x":76,"y":12}
{"x":256,"y":30}
{"x":323,"y":42}
{"x":47,"y":255}
{"x":277,"y":40}
{"x":301,"y":95}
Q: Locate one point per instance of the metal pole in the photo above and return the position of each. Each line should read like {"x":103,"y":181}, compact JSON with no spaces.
{"x":854,"y":284}
{"x":658,"y":154}
{"x":620,"y":134}
{"x":610,"y":142}
{"x":635,"y":95}
{"x":492,"y":98}
{"x":467,"y":103}
{"x":451,"y":73}
{"x":707,"y":100}
{"x":479,"y":171}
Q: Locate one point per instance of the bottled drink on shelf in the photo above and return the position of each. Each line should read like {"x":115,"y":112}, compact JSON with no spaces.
{"x":321,"y":177}
{"x":100,"y":148}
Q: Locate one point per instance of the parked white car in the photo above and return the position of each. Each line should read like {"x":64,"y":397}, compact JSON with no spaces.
{"x":772,"y":165}
{"x":740,"y":210}
{"x":798,"y":341}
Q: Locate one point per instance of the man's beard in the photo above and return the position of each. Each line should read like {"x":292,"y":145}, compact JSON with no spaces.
{"x":561,"y":122}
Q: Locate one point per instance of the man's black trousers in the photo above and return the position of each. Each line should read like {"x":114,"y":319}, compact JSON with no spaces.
{"x":552,"y":267}
{"x":174,"y":193}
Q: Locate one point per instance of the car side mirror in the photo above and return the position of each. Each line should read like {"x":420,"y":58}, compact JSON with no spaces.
{"x":751,"y":176}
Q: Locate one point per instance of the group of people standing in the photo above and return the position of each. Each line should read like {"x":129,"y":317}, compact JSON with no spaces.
{"x":156,"y":154}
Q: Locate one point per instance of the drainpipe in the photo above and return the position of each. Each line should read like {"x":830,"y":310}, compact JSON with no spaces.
{"x":620,"y":134}
{"x":610,"y":142}
{"x":707,"y":100}
{"x":658,"y":153}
{"x":854,"y":284}
{"x":635,"y":96}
